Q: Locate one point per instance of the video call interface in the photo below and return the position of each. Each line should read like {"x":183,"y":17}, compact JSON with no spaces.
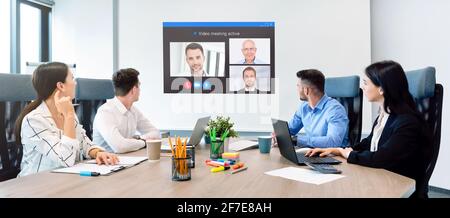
{"x":219,"y":57}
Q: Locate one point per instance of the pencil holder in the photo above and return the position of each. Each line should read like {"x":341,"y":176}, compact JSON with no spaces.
{"x":216,"y":150}
{"x":180,"y":169}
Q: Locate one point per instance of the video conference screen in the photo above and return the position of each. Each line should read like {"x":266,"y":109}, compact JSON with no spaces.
{"x":219,"y":57}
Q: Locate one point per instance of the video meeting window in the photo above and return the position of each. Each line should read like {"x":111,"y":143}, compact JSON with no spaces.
{"x":219,"y":57}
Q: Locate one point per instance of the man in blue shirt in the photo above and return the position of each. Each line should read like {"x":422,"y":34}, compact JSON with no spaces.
{"x":323,"y":118}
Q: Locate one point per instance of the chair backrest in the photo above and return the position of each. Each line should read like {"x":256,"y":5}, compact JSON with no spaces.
{"x":91,"y":94}
{"x":428,"y":96}
{"x":16,"y":91}
{"x":346,"y":90}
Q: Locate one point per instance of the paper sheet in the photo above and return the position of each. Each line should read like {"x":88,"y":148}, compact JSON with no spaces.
{"x":304,"y":175}
{"x":242,"y":145}
{"x":91,"y":166}
{"x":77,"y":168}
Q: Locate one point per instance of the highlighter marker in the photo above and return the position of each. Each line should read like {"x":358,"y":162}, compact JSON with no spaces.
{"x":88,"y":173}
{"x":238,"y":165}
{"x":217,"y":169}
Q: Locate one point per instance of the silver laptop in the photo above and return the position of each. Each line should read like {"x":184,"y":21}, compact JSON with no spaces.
{"x":196,"y":136}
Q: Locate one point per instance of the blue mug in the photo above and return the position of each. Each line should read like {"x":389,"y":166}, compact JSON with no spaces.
{"x":265,"y":143}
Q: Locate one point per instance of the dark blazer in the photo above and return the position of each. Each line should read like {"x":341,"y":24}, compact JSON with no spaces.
{"x":401,"y":148}
{"x":248,"y":92}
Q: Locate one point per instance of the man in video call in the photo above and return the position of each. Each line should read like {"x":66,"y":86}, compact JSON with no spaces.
{"x":195,"y":59}
{"x":249,"y":52}
{"x":249,"y":76}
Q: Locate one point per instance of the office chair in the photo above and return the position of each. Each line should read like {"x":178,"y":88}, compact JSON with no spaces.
{"x":428,"y":97}
{"x":91,"y":94}
{"x":346,"y":90}
{"x":16,"y":91}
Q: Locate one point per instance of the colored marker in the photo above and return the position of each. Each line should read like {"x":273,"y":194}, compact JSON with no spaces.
{"x":217,"y":169}
{"x":237,"y":166}
{"x":88,"y":173}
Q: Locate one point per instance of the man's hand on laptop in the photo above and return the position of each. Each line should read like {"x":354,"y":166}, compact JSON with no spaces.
{"x":274,"y":140}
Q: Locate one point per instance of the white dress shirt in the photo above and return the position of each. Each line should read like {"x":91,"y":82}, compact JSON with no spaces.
{"x":115,"y":126}
{"x":378,"y":130}
{"x":45,"y":147}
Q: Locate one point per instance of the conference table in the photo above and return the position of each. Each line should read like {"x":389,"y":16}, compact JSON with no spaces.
{"x":153,"y":179}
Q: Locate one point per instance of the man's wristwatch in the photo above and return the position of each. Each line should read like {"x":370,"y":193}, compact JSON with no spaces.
{"x":138,"y":137}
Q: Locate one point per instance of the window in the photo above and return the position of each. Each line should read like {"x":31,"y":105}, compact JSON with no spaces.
{"x":30,"y":28}
{"x":5,"y":36}
{"x":34,"y":34}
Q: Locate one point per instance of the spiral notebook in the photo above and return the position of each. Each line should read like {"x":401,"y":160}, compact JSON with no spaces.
{"x":91,"y":166}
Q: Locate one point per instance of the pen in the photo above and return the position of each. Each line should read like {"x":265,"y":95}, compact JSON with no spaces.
{"x":88,"y":173}
{"x":238,"y":170}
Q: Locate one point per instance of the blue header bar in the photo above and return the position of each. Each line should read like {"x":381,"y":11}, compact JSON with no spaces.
{"x":218,"y":24}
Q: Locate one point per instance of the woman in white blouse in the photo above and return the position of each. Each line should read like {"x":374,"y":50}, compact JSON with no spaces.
{"x":48,"y":127}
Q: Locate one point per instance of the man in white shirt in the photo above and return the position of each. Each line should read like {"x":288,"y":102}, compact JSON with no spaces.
{"x":117,"y":122}
{"x":249,"y":76}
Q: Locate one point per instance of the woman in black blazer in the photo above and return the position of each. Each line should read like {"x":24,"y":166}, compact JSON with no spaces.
{"x":400,"y":130}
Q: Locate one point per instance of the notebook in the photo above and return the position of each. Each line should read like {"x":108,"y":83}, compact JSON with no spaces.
{"x":91,"y":166}
{"x":243,"y":145}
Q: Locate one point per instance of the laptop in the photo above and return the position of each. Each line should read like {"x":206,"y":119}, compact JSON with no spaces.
{"x":196,"y":135}
{"x":288,"y":148}
{"x":198,"y":131}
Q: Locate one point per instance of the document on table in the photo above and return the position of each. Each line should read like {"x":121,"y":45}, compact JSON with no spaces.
{"x":304,"y":175}
{"x":242,"y":145}
{"x":91,"y":166}
{"x":125,"y":160}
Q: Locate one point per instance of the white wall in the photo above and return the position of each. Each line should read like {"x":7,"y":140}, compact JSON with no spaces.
{"x":333,"y":36}
{"x":82,"y":35}
{"x":416,"y":33}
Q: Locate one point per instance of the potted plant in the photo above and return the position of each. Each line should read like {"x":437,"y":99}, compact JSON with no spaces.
{"x":221,"y":125}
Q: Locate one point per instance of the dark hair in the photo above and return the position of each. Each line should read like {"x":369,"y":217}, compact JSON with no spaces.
{"x":390,"y":76}
{"x":313,"y":77}
{"x":247,"y":69}
{"x":124,"y":80}
{"x":193,"y":46}
{"x":45,"y":78}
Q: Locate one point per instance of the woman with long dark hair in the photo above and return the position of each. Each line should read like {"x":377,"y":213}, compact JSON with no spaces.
{"x":398,"y":141}
{"x":48,"y":127}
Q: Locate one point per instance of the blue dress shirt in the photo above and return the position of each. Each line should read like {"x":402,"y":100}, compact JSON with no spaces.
{"x":326,"y":125}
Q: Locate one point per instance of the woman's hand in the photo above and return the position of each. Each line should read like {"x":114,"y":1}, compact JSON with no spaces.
{"x":106,"y":158}
{"x":322,"y":152}
{"x":64,"y":104}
